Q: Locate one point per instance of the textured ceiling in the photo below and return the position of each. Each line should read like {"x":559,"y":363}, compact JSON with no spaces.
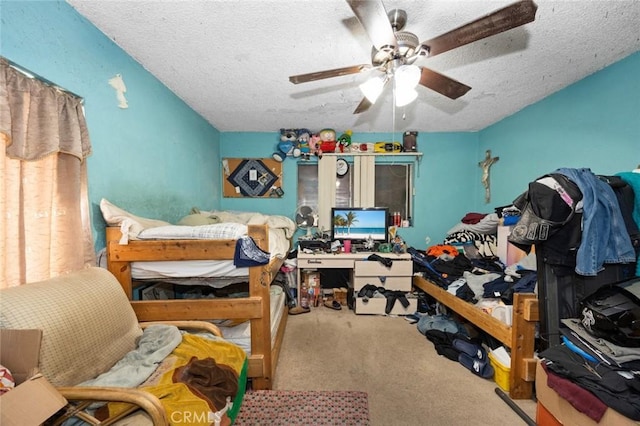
{"x":230,"y":60}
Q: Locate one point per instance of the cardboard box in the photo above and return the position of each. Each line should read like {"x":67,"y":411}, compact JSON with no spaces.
{"x":564,"y":412}
{"x":30,"y":403}
{"x":20,"y":352}
{"x":340,"y":295}
{"x":34,"y":399}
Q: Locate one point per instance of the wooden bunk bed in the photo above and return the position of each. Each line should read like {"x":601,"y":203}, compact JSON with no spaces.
{"x":519,"y":337}
{"x":256,"y":307}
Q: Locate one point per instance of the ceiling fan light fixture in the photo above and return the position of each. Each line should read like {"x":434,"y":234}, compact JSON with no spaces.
{"x":405,"y":96}
{"x":372,"y":88}
{"x":407,"y":76}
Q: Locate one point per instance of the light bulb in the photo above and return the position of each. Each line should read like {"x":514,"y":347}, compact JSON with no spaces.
{"x":372,"y":88}
{"x":405,"y":96}
{"x":407,"y":76}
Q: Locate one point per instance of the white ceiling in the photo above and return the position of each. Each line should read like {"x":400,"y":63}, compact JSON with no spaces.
{"x":230,"y":60}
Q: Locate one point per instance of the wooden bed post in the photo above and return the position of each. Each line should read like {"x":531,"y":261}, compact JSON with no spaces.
{"x":523,"y":331}
{"x":121,"y":270}
{"x":259,"y":286}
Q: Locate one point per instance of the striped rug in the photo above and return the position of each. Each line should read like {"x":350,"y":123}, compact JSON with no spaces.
{"x":277,"y":407}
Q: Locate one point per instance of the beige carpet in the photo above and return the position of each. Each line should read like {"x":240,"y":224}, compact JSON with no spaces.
{"x":408,"y":383}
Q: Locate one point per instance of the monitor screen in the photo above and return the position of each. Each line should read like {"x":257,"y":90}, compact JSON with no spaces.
{"x":359,"y":223}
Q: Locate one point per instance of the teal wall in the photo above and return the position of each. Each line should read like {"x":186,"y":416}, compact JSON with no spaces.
{"x":442,"y":186}
{"x":158,"y":158}
{"x":594,"y":123}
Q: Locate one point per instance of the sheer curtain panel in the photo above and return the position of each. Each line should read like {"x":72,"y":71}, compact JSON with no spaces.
{"x":45,"y":225}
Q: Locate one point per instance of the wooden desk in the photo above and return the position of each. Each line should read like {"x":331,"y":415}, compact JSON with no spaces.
{"x":308,"y":261}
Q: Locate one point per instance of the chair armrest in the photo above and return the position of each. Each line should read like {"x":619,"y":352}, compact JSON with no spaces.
{"x":188,"y":325}
{"x":139,"y":398}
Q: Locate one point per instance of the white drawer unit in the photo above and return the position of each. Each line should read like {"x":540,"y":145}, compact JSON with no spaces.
{"x":388,"y":283}
{"x":395,"y":278}
{"x":377,"y":306}
{"x":368,"y":268}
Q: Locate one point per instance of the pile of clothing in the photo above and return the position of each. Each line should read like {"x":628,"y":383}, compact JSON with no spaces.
{"x":484,"y":277}
{"x":598,"y":364}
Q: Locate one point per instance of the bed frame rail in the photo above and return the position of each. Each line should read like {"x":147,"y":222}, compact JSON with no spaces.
{"x":520,"y":337}
{"x":256,"y":307}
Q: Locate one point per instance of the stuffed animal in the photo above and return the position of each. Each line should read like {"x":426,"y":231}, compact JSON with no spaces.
{"x":287,"y":146}
{"x":290,"y":135}
{"x":314,"y":145}
{"x":327,"y":141}
{"x":304,"y":135}
{"x":344,"y":141}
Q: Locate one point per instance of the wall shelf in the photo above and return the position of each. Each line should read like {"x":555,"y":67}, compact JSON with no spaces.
{"x":377,"y":154}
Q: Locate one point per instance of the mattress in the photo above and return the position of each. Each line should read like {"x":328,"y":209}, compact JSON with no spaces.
{"x":241,"y":334}
{"x":279,"y":246}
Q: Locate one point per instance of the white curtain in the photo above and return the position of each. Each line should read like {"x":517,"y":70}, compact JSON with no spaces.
{"x":45,"y":225}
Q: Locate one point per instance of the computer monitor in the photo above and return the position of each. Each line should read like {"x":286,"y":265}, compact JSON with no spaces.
{"x":360,"y":223}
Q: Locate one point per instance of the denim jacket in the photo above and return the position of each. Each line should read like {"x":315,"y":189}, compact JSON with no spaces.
{"x":604,"y":236}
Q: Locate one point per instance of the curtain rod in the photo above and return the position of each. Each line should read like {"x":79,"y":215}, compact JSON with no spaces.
{"x":36,"y":76}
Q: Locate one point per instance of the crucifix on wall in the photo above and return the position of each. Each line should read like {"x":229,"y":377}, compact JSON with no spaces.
{"x":486,"y":168}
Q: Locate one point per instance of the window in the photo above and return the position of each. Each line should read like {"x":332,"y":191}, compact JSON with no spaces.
{"x":308,"y":187}
{"x":391,"y":187}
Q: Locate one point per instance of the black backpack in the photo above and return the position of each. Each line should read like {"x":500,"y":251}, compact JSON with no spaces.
{"x":548,"y":205}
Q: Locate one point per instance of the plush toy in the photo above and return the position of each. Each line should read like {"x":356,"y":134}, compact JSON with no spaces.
{"x":327,"y":141}
{"x":290,"y":135}
{"x":344,"y":141}
{"x":287,"y":145}
{"x":304,"y":135}
{"x":314,"y":145}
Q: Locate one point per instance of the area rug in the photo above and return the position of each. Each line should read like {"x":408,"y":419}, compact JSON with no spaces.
{"x":277,"y":407}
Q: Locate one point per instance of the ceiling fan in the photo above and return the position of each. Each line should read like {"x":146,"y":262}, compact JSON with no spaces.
{"x":394,"y":50}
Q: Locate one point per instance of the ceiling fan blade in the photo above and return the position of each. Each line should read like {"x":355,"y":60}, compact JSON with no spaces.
{"x":501,"y":20}
{"x":364,"y":105}
{"x":312,"y":76}
{"x":442,"y":84}
{"x":375,"y":21}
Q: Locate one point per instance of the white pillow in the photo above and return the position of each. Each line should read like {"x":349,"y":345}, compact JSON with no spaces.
{"x":130,"y":224}
{"x":231,"y":216}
